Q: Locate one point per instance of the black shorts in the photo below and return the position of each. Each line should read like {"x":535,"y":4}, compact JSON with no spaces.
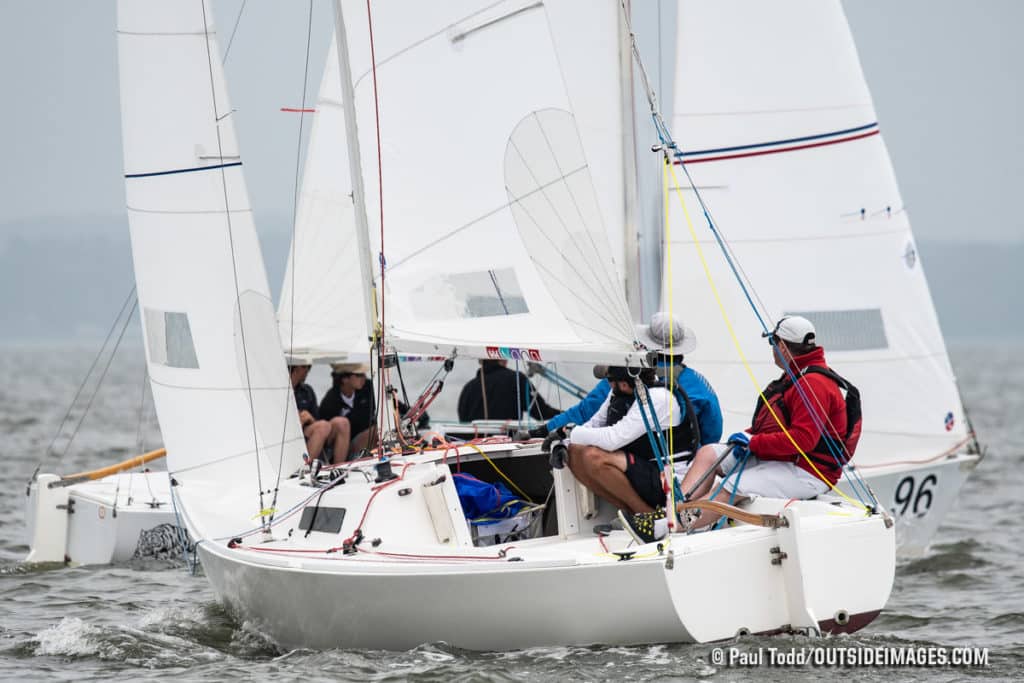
{"x":645,"y":478}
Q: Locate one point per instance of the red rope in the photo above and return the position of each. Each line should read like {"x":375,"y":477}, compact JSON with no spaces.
{"x":366,"y":510}
{"x":412,"y":556}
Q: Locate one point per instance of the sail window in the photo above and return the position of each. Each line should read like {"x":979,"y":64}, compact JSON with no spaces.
{"x":169,"y":338}
{"x":854,"y":330}
{"x":477,"y":294}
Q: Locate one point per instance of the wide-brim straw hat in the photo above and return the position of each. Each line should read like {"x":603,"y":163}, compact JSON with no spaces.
{"x":349,"y":368}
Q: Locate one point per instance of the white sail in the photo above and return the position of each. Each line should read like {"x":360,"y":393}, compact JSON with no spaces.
{"x":322,"y":310}
{"x":494,"y":235}
{"x":780,"y":135}
{"x":214,"y":357}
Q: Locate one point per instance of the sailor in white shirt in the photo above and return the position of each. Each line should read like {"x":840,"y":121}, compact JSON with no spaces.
{"x":611,"y":453}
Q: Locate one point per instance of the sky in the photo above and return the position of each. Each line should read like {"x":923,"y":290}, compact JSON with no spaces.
{"x":946,"y":76}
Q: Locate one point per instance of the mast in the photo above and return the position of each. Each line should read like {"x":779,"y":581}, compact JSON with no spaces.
{"x":630,"y":227}
{"x":355,"y":170}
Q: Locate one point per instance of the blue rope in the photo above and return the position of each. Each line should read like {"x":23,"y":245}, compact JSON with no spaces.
{"x":657,"y":440}
{"x":741,"y":464}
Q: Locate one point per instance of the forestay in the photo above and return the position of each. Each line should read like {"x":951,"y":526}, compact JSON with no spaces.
{"x":495,"y":240}
{"x":214,"y":357}
{"x":780,"y":135}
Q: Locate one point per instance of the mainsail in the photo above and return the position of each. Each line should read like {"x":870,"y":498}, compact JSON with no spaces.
{"x":214,"y":358}
{"x":780,"y":135}
{"x":495,"y":239}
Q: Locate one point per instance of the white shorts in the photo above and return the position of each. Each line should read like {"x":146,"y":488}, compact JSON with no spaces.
{"x":769,"y":478}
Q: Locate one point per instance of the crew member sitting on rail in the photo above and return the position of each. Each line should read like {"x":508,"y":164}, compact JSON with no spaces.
{"x":498,"y":393}
{"x":349,"y":405}
{"x":319,"y":433}
{"x":810,"y":414}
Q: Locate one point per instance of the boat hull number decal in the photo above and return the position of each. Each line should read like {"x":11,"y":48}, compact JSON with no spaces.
{"x":912,"y":498}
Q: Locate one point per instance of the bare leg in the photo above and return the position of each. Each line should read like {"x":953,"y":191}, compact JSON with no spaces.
{"x":339,"y":438}
{"x":702,"y":462}
{"x":316,"y":434}
{"x":604,"y":473}
{"x":360,"y":440}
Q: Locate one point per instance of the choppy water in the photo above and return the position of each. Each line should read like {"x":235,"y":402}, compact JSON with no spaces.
{"x":152,"y":621}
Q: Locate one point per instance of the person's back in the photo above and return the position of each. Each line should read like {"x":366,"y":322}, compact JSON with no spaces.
{"x":499,"y":393}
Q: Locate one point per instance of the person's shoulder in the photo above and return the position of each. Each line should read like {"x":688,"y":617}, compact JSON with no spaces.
{"x":820,"y":379}
{"x":693,"y":379}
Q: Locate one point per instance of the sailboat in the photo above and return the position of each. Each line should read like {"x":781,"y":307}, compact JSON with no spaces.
{"x":504,"y":212}
{"x":788,"y":156}
{"x":111,"y":514}
{"x":778,"y":133}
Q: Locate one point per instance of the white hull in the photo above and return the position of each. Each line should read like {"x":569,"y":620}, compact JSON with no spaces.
{"x":556,"y":590}
{"x":919,"y":496}
{"x":81,"y":524}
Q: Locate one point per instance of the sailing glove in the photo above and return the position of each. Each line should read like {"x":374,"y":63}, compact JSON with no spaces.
{"x":740,"y":442}
{"x":539,"y":432}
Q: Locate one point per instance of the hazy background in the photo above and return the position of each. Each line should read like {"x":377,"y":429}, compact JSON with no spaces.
{"x":945,"y":75}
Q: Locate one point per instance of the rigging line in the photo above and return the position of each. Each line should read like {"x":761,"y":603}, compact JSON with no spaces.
{"x":606,"y":294}
{"x":103,"y":374}
{"x":88,"y":374}
{"x":744,"y":282}
{"x":234,"y":264}
{"x":295,"y":213}
{"x":380,"y":196}
{"x":579,"y":212}
{"x":238,"y":19}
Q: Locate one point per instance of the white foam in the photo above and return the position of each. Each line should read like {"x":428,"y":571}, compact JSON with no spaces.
{"x":69,"y":637}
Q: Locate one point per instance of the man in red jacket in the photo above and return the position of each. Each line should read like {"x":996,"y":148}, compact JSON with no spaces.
{"x":796,"y":444}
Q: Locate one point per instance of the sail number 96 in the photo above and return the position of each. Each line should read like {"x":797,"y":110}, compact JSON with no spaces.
{"x":911,"y":497}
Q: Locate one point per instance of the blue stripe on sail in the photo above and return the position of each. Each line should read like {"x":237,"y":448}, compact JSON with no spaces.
{"x":182,"y":170}
{"x":779,"y":142}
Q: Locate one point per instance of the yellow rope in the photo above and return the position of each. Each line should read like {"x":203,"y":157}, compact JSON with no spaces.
{"x":498,"y":470}
{"x":670,"y":473}
{"x":739,"y":348}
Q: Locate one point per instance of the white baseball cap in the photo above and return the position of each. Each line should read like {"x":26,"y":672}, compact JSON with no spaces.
{"x":666,"y":334}
{"x":794,"y":329}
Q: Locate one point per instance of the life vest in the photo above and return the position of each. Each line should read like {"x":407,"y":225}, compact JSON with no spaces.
{"x":685,"y":436}
{"x":825,"y":451}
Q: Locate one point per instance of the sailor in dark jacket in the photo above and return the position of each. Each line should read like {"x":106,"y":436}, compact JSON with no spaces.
{"x":493,"y":395}
{"x":349,"y":403}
